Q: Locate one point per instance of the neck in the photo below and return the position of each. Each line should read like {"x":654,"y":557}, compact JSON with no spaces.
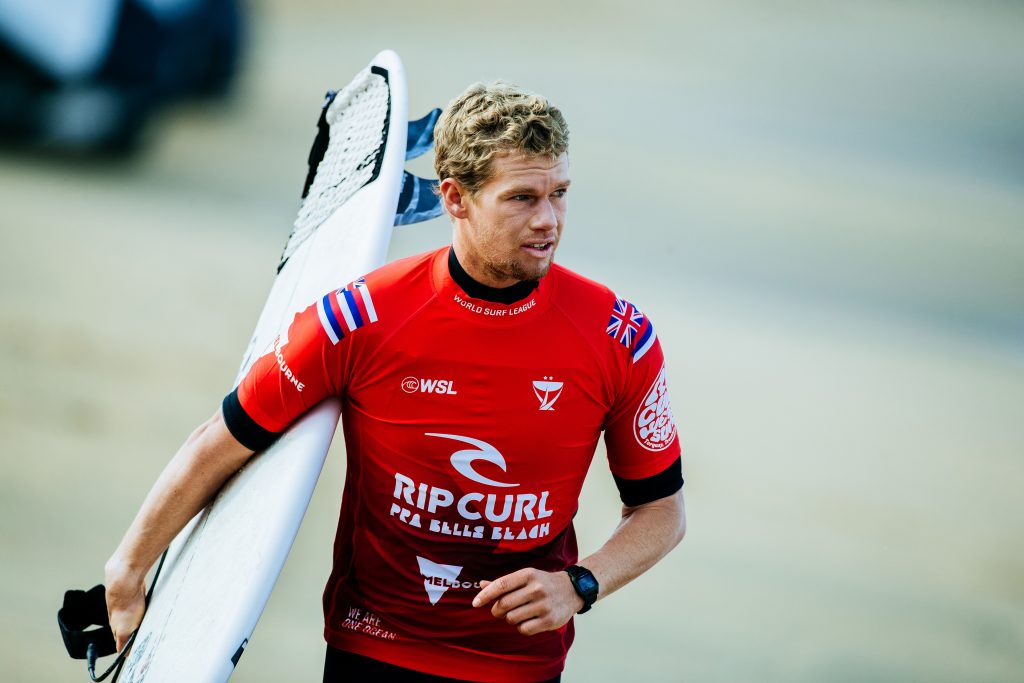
{"x":477,"y":290}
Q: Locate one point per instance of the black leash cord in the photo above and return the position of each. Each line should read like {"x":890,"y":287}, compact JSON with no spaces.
{"x":90,"y":653}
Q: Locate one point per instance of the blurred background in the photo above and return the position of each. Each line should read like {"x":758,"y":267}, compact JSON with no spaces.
{"x":821,"y":204}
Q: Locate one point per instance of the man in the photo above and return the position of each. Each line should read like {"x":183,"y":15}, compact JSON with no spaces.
{"x":475,"y":388}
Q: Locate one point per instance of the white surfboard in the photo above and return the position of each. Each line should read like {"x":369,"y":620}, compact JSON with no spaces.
{"x":221,"y":568}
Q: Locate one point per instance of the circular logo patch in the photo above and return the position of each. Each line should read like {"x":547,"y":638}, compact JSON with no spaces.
{"x":654,"y":427}
{"x":410,"y":385}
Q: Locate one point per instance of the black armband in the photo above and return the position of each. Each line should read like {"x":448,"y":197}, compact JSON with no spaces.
{"x":245,"y":429}
{"x":635,"y":492}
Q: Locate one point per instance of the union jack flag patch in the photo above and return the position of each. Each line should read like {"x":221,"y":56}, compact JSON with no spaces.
{"x":630,"y":327}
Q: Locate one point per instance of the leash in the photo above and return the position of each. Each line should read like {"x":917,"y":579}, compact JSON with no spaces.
{"x":83,"y":609}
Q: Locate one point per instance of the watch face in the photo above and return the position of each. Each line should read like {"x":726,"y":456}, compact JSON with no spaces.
{"x":587,"y":583}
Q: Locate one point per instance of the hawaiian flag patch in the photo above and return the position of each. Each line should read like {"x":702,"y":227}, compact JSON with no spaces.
{"x":348,"y":308}
{"x":630,"y":327}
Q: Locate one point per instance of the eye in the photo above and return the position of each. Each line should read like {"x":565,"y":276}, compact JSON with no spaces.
{"x":520,"y":198}
{"x":560,"y":192}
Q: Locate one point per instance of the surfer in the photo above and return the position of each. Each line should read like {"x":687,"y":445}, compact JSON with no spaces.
{"x":455,"y":556}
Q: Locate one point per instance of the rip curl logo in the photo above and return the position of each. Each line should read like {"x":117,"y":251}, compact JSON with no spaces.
{"x":463,"y":461}
{"x":472,"y":514}
{"x":547,"y":392}
{"x":654,"y":426}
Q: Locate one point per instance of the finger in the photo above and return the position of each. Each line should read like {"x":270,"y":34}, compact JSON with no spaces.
{"x":505,"y":584}
{"x":532,"y":627}
{"x":526,"y":612}
{"x":123,"y":623}
{"x":514,"y":600}
{"x":121,"y":635}
{"x":124,"y":633}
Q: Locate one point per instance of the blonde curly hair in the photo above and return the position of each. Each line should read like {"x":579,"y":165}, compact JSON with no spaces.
{"x":488,"y":120}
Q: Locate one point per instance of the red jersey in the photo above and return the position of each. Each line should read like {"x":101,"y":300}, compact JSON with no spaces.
{"x":469,"y":428}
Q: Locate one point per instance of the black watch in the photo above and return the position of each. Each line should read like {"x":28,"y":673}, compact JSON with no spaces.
{"x":585,"y":584}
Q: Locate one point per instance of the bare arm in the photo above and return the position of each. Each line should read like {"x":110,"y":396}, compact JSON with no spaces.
{"x":537,"y":601}
{"x":193,"y":476}
{"x":645,"y":534}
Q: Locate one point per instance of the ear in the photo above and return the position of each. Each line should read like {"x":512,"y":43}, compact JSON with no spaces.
{"x":454,"y":198}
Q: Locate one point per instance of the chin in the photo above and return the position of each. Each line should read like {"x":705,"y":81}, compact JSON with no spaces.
{"x":520,"y":271}
{"x":531,"y":274}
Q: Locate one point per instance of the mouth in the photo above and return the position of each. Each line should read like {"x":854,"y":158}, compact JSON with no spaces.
{"x":540,"y":248}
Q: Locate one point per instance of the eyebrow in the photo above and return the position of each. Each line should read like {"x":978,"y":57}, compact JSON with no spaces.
{"x":528,"y":189}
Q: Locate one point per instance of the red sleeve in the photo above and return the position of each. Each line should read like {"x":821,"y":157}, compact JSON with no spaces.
{"x":640,"y":432}
{"x":304,"y":366}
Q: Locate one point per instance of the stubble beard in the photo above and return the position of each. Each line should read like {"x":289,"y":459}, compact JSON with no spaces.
{"x":513,"y":269}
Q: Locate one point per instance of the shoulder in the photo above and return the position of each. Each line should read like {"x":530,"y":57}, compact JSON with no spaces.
{"x":401,"y":271}
{"x":578,"y":288}
{"x":404,"y":284}
{"x":387,"y":295}
{"x":599,"y":311}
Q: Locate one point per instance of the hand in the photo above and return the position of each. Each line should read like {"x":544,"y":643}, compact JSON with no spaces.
{"x":532,"y":600}
{"x":126,"y":601}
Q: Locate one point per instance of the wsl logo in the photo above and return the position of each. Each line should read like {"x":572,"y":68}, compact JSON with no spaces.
{"x":411,"y":385}
{"x":547,"y":392}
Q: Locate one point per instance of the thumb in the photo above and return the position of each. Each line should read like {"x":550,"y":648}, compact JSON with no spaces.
{"x":121,"y":636}
{"x":124,"y":623}
{"x":119,"y":640}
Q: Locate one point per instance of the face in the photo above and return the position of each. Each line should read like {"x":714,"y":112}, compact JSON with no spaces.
{"x":509,"y":230}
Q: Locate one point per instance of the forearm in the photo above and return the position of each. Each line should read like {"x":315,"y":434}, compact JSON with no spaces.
{"x":644,"y":535}
{"x":189,"y":481}
{"x":535,"y":601}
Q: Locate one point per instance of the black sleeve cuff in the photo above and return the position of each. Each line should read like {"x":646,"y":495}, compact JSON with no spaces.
{"x":245,"y":429}
{"x":635,"y":492}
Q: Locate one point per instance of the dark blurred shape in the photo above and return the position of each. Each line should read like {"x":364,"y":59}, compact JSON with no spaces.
{"x":151,"y":60}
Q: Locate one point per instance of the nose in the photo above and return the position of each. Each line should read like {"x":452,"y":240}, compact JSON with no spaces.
{"x":545,"y":218}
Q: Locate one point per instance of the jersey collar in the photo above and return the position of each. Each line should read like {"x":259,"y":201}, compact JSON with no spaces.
{"x":487,"y":304}
{"x":496,"y":295}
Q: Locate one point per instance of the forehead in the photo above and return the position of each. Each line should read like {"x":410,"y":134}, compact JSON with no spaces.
{"x":517,"y":168}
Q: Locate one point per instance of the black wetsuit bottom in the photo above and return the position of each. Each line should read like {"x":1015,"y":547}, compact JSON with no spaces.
{"x":345,"y":667}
